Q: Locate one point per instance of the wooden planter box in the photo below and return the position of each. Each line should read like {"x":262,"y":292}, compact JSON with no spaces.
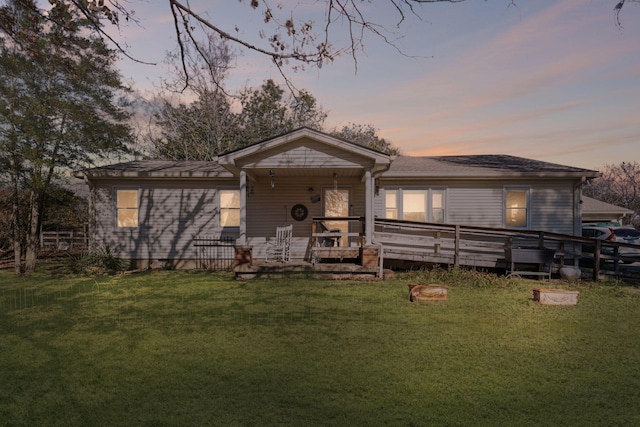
{"x":427,"y":292}
{"x":555,"y":296}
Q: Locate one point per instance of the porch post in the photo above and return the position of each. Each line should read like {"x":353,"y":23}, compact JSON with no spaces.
{"x":368,"y":207}
{"x":242,"y":237}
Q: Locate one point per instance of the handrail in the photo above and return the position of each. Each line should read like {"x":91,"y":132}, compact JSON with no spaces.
{"x":443,"y":241}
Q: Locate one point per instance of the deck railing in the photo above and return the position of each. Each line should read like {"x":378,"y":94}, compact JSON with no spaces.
{"x":342,"y":231}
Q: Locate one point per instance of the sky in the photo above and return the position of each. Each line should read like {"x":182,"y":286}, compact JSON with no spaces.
{"x":548,"y":80}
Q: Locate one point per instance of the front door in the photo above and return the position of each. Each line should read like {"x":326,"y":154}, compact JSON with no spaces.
{"x":336,"y":204}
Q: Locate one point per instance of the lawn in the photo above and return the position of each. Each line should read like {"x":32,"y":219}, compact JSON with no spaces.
{"x":198,"y":348}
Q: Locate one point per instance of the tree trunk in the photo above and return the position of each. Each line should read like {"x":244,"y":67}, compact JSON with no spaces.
{"x":15,"y":223}
{"x":33,"y":235}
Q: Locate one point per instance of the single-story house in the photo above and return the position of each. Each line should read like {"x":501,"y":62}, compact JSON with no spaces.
{"x":596,"y":211}
{"x":150,"y":211}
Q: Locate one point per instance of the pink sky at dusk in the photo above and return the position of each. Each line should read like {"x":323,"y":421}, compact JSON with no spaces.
{"x":549,"y":80}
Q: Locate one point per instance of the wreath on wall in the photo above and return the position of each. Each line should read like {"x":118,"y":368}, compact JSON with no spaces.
{"x":299,"y":212}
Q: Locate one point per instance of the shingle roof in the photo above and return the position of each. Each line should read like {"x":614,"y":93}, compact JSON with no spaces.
{"x":590,"y":205}
{"x":160,"y":169}
{"x":480,"y":166}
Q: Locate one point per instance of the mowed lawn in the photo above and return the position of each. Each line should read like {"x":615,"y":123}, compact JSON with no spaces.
{"x":198,"y":348}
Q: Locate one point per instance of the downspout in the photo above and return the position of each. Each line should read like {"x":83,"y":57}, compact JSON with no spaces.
{"x":374,"y":175}
{"x":577,"y":206}
{"x":577,"y":211}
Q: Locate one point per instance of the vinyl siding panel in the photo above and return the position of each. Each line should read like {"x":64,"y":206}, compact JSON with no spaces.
{"x":170,"y":215}
{"x":481,"y":203}
{"x":305,"y":154}
{"x":267,"y":209}
{"x":552,"y":207}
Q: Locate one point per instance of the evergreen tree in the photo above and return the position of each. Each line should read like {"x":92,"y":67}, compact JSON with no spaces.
{"x":62,"y":109}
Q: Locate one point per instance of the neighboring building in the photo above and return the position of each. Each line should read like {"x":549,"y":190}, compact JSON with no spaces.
{"x":596,"y":211}
{"x":151,"y":210}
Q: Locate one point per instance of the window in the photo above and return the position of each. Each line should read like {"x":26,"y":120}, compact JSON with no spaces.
{"x":127,"y":208}
{"x":516,"y":207}
{"x":229,"y":208}
{"x":414,"y":205}
{"x":437,"y":206}
{"x":423,"y":205}
{"x":391,"y":205}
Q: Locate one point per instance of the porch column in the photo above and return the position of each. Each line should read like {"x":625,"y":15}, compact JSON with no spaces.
{"x":368,"y":207}
{"x":242,"y":237}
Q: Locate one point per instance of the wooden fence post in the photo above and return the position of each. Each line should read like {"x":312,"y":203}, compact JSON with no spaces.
{"x":456,"y":255}
{"x":596,"y":260}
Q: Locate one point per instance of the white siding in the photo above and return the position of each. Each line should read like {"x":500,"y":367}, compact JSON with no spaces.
{"x":305,"y":154}
{"x":480,"y":203}
{"x":268,"y":209}
{"x":171,"y":214}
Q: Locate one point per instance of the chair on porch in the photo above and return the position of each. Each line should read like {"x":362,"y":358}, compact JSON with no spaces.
{"x":279,"y":249}
{"x":331,"y":239}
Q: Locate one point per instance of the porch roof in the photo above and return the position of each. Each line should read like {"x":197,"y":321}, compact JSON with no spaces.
{"x":305,"y":152}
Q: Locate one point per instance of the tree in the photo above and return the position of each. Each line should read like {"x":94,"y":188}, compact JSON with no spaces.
{"x":288,"y":37}
{"x":365,"y":135}
{"x":266,"y":113}
{"x":59,"y":89}
{"x":618,"y":185}
{"x":208,"y":127}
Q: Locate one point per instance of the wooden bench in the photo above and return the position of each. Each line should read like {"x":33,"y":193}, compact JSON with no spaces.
{"x":516,"y":257}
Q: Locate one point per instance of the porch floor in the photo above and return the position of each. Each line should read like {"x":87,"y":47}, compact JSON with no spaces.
{"x":343,"y":270}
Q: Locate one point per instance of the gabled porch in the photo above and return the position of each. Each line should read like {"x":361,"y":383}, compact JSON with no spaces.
{"x":304,"y":179}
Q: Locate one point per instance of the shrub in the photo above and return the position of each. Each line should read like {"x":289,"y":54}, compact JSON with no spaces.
{"x":101,"y":259}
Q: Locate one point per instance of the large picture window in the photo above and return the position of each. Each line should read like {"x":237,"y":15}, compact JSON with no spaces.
{"x":229,"y":208}
{"x":415,"y":204}
{"x":516,"y":210}
{"x":127,"y":208}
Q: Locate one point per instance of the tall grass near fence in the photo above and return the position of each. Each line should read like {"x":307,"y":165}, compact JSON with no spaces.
{"x":176,"y":348}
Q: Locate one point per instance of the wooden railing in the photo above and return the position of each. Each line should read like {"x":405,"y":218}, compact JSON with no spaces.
{"x":459,"y":245}
{"x":64,"y":240}
{"x":341,"y":231}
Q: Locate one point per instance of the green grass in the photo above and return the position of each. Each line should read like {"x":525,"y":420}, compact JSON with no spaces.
{"x":195,"y":348}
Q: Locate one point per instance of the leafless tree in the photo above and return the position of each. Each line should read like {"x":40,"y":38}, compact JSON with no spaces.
{"x":620,"y":186}
{"x":287,"y":39}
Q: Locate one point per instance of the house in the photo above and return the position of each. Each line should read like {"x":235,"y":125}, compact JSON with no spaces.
{"x":596,"y":211}
{"x":151,"y":211}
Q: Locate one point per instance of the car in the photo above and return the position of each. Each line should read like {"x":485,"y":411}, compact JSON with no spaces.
{"x":630,"y":236}
{"x":599,"y":232}
{"x":627,"y":235}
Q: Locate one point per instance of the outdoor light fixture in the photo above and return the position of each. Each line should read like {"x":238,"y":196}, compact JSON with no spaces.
{"x":335,"y":181}
{"x":272,"y":174}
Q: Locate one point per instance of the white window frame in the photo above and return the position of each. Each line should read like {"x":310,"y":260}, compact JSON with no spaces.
{"x":527,"y":207}
{"x":117,"y":208}
{"x":221,"y":209}
{"x":429,"y":209}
